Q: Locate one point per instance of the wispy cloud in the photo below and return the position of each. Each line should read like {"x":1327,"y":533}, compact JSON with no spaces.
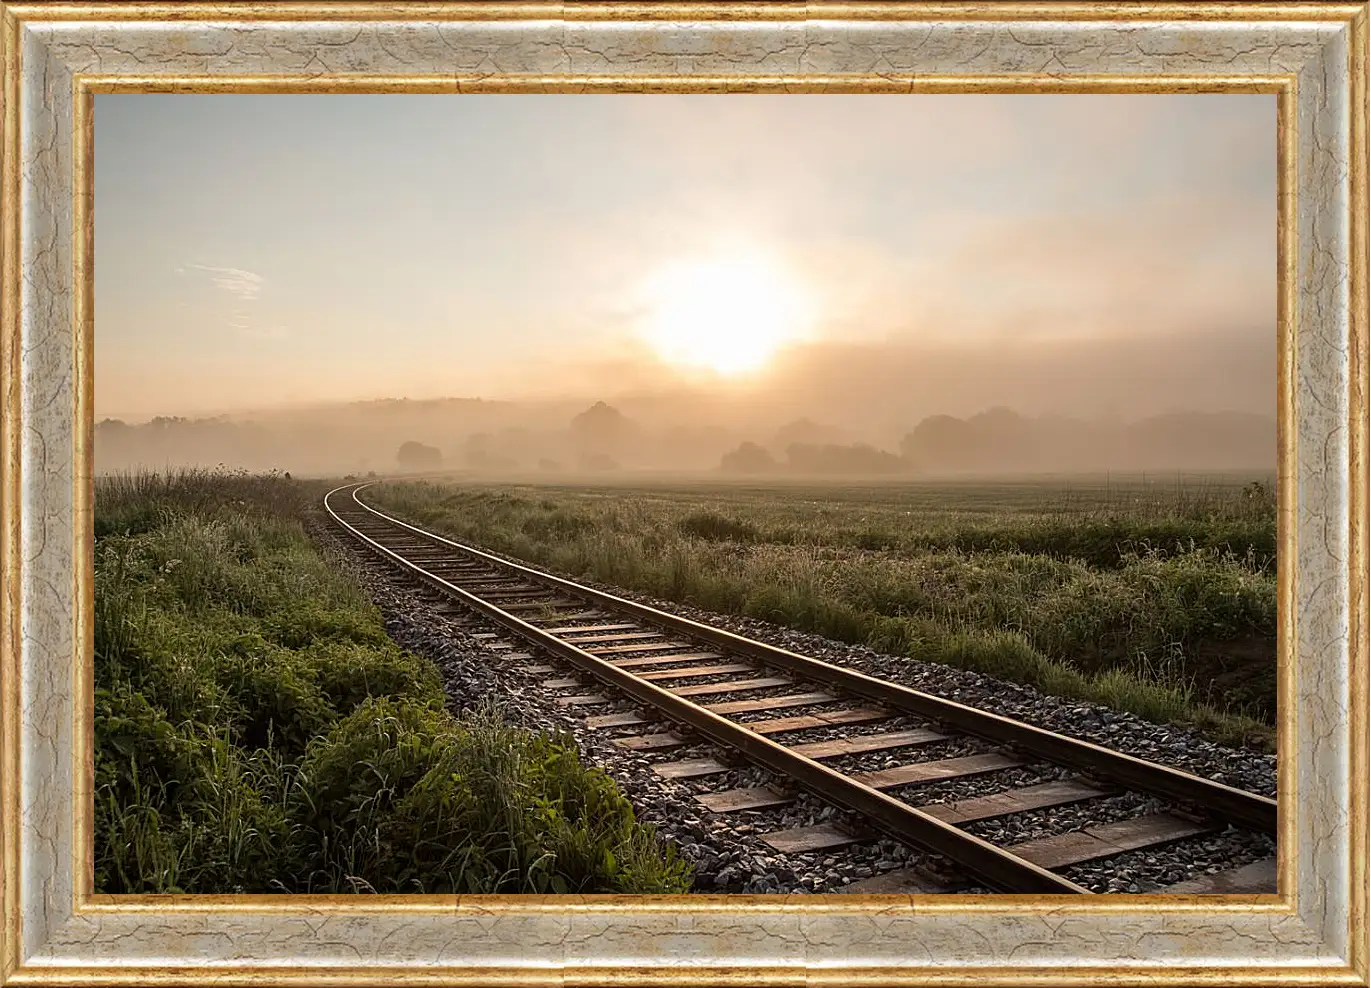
{"x":235,"y":281}
{"x":242,"y":322}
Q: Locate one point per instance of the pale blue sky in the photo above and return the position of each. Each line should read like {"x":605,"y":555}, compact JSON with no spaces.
{"x":256,"y":250}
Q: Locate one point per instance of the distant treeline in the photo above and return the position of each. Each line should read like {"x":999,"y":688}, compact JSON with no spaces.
{"x":486,"y":438}
{"x":1001,"y":440}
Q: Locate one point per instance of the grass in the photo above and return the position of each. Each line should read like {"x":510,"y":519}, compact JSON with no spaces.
{"x":1156,"y":599}
{"x":256,"y":730}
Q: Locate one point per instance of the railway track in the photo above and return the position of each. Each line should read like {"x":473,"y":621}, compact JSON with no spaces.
{"x":816,"y":728}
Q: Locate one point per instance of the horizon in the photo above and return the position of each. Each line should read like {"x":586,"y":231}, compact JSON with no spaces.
{"x":245,"y":415}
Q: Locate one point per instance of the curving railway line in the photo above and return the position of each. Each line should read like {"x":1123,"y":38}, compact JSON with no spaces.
{"x":815,"y":727}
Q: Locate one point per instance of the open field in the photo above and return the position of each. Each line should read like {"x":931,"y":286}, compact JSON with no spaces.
{"x":1157,"y":598}
{"x":256,"y":730}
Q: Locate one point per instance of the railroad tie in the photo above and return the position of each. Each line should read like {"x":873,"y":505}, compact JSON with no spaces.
{"x":625,"y":637}
{"x":587,"y":629}
{"x":1109,"y":839}
{"x":627,"y":719}
{"x":578,"y":615}
{"x":734,"y":686}
{"x":661,"y":660}
{"x":584,"y":700}
{"x":651,"y":742}
{"x":660,"y":646}
{"x":825,"y":836}
{"x":690,"y":672}
{"x":691,"y":768}
{"x":561,"y":684}
{"x":820,"y":750}
{"x":835,"y":718}
{"x":538,"y":605}
{"x":764,"y":797}
{"x":769,"y":703}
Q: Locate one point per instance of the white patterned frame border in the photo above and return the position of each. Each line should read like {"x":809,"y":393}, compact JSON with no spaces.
{"x":57,"y":56}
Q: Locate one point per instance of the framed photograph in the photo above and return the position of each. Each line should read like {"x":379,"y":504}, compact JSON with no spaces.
{"x":683,"y":493}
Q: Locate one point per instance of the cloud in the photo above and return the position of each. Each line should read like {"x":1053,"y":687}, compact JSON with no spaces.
{"x":235,"y":281}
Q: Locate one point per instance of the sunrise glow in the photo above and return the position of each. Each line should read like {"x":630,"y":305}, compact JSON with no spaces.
{"x":729,"y":314}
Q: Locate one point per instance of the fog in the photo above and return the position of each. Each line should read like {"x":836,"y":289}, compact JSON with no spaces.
{"x":1193,"y":404}
{"x":727,"y":285}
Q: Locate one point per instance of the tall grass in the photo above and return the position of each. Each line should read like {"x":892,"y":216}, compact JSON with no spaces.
{"x":256,"y":729}
{"x":1160,"y":602}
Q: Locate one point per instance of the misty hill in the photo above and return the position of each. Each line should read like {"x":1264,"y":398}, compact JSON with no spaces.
{"x":491,"y":437}
{"x":1003,"y":440}
{"x":511,"y":437}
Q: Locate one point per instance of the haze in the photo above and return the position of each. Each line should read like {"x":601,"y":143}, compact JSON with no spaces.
{"x":828,"y":271}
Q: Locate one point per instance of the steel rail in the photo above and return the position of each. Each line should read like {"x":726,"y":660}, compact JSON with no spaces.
{"x":1228,"y":803}
{"x":997,"y":868}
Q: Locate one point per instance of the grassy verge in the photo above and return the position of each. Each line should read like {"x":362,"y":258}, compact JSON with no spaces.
{"x":256,"y":730}
{"x":1162,"y":606}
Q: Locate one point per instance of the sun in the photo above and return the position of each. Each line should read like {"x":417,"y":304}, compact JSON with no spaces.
{"x":728,"y":313}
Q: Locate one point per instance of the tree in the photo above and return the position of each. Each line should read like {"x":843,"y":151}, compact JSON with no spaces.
{"x":601,"y":428}
{"x":938,"y":441}
{"x":417,"y":456}
{"x":748,"y":458}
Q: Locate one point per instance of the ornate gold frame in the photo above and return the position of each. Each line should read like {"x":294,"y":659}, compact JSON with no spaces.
{"x":55,"y":931}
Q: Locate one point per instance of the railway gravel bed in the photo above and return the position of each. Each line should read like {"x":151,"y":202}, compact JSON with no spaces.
{"x":1165,"y":744}
{"x":728,"y":851}
{"x":727,"y":858}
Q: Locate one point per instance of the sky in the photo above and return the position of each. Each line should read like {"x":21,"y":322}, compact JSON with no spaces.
{"x":255,"y":251}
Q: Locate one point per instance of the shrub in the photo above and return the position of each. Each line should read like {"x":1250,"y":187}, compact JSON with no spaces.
{"x":714,"y":527}
{"x":417,"y":802}
{"x":277,"y":698}
{"x":138,"y":747}
{"x":348,"y":674}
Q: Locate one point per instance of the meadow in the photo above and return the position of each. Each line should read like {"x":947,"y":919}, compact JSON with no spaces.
{"x":1154,"y":597}
{"x":257,"y":731}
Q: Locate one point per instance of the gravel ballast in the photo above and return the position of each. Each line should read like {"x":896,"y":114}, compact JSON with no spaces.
{"x":728,"y":851}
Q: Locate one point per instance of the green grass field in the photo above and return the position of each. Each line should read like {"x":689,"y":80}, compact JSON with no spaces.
{"x":1157,"y":598}
{"x":256,"y":730}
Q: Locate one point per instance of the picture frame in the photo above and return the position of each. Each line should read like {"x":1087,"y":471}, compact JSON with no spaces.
{"x":58,"y":56}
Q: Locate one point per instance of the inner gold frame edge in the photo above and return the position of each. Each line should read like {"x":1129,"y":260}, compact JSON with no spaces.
{"x":1359,"y":519}
{"x":86,"y":86}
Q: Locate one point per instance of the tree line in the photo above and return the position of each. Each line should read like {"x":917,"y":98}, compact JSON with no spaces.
{"x":1002,"y":440}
